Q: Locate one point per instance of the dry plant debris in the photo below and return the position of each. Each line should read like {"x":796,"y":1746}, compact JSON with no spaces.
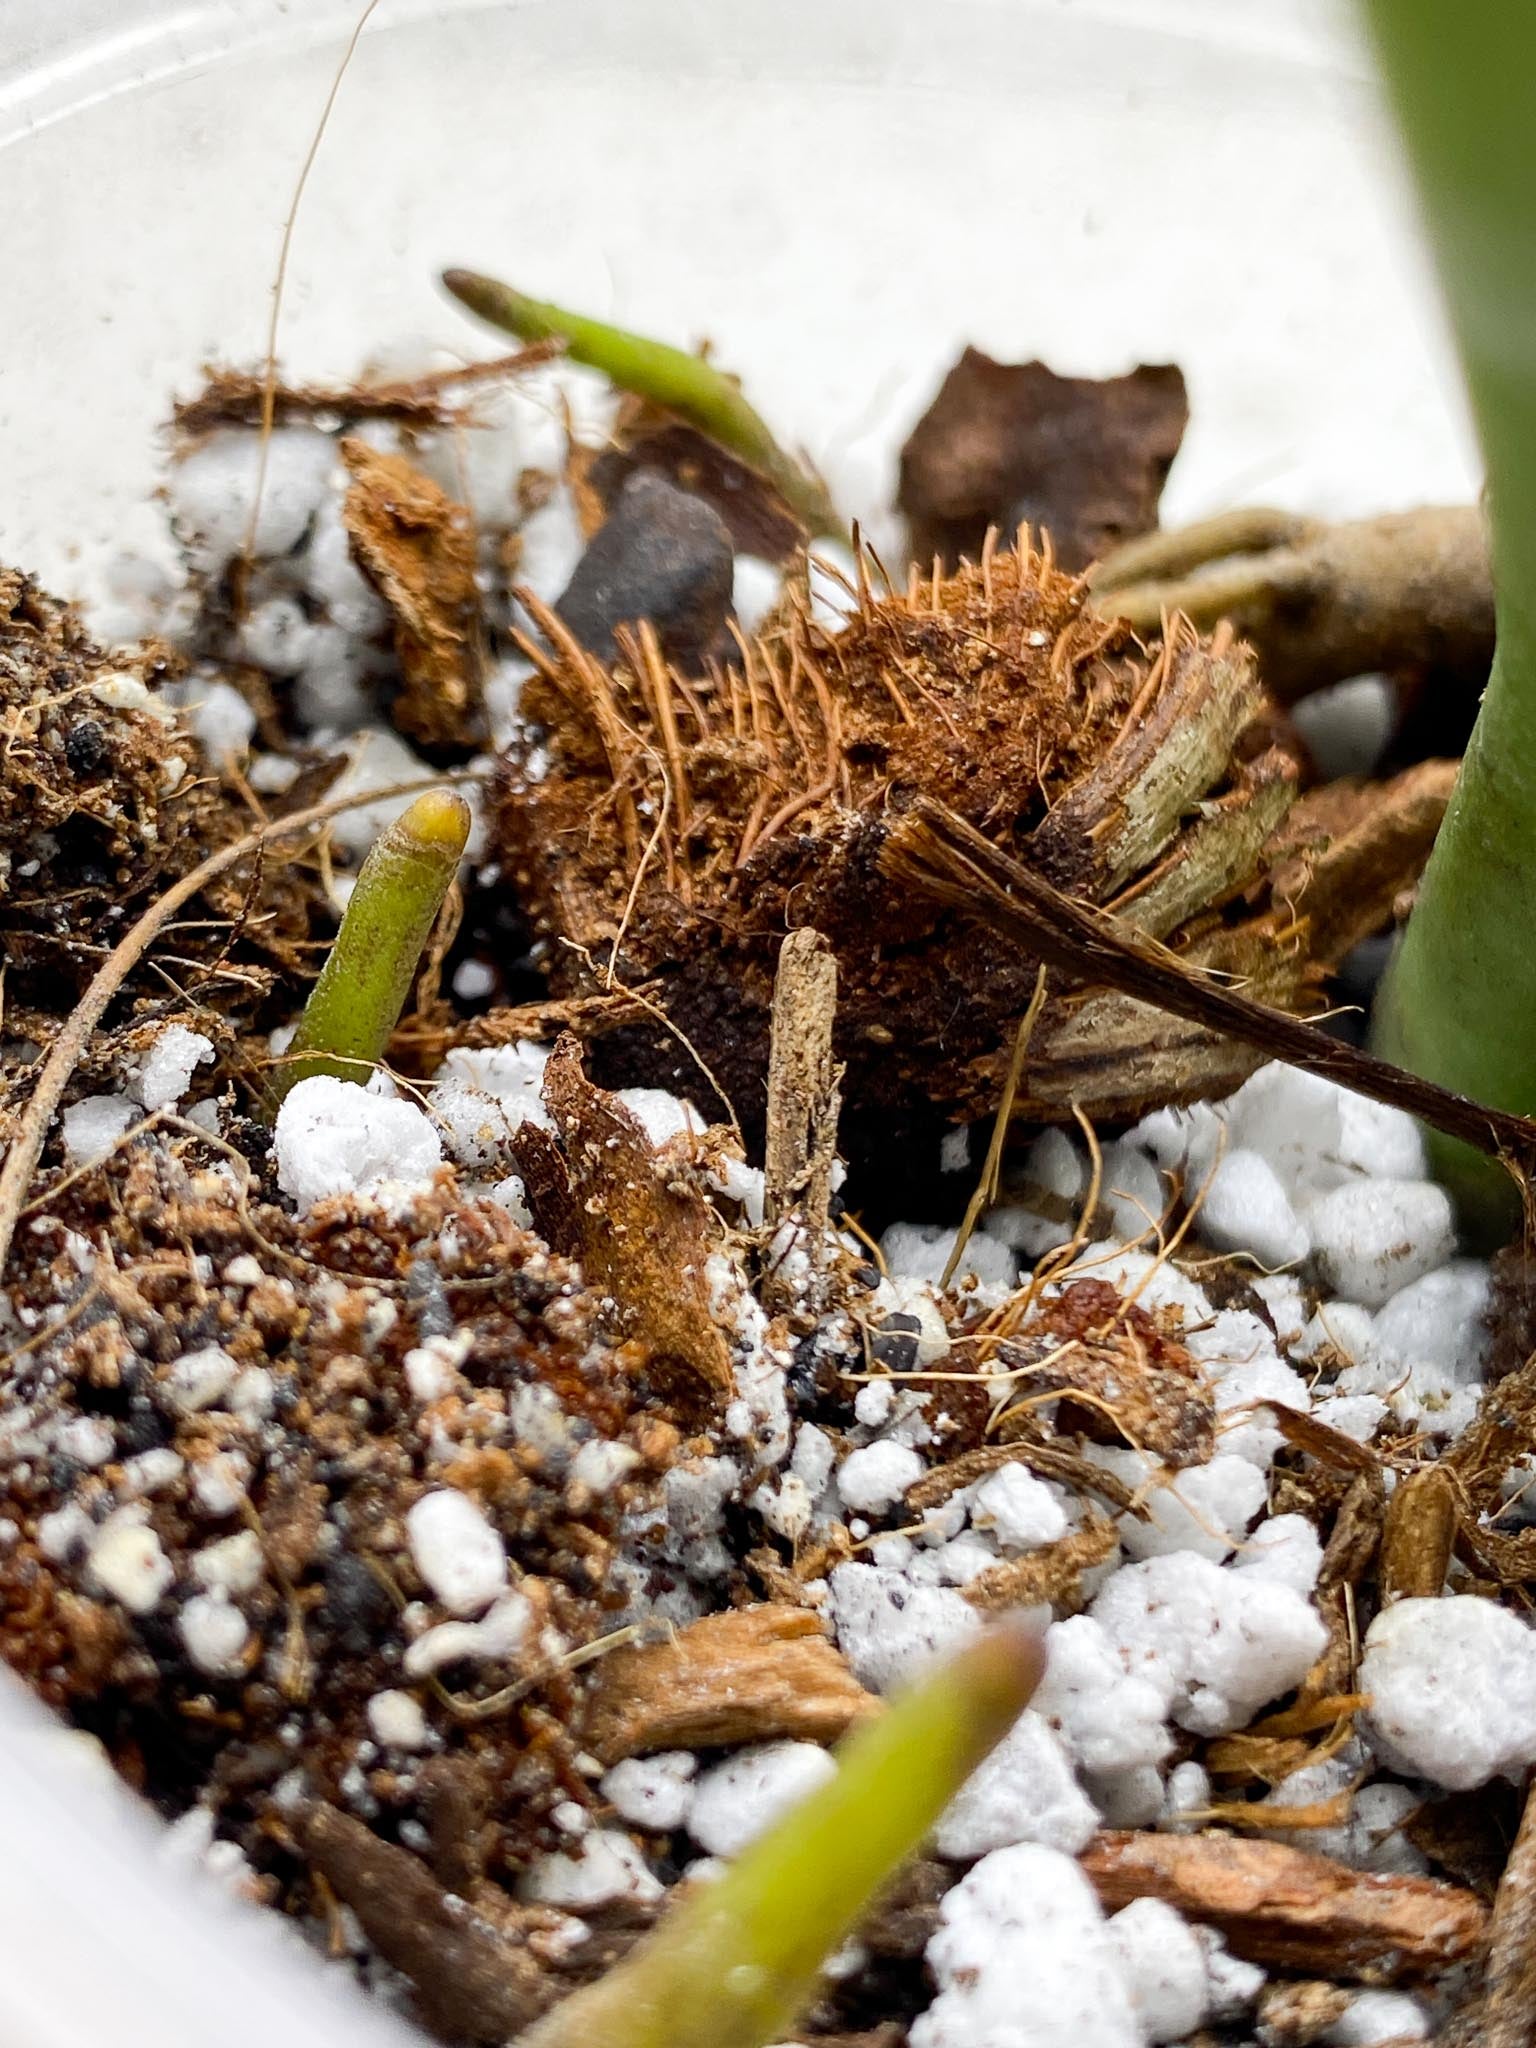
{"x":1407,"y":592}
{"x":639,"y":1233}
{"x":1008,"y":444}
{"x":683,"y":827}
{"x":224,"y":1414}
{"x":417,"y":549}
{"x":761,"y":523}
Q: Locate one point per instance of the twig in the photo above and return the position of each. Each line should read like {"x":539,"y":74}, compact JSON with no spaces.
{"x":802,"y":1086}
{"x":939,"y":853}
{"x":26,"y":1146}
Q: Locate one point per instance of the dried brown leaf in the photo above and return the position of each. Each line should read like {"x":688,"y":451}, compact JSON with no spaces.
{"x":643,"y":1235}
{"x":1083,"y":459}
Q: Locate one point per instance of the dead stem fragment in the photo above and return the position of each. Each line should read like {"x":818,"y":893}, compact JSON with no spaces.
{"x":1405,"y":591}
{"x":937,"y":853}
{"x":802,"y":1085}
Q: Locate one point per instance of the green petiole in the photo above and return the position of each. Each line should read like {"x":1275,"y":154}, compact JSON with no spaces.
{"x":685,"y":384}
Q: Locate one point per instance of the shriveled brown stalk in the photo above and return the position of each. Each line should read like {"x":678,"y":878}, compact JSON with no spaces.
{"x":936,"y":852}
{"x":26,"y":1146}
{"x":1407,"y":591}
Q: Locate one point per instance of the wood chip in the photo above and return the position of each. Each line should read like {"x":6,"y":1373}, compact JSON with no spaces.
{"x":753,"y":1674}
{"x":472,"y":1985}
{"x":1289,"y":1909}
{"x":417,"y":548}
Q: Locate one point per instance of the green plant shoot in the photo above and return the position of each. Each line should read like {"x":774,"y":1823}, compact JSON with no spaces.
{"x":736,"y":1964}
{"x":1459,"y":1005}
{"x":685,"y":384}
{"x":356,"y":1003}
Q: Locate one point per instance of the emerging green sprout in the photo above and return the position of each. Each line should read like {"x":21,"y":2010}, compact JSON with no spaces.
{"x":735,"y":1965}
{"x":684,"y":384}
{"x":1460,"y":1002}
{"x":356,"y":1003}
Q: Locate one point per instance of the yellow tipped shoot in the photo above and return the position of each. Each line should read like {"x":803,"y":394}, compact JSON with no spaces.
{"x":356,"y":1003}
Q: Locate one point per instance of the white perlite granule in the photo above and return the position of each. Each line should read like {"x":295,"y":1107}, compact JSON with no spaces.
{"x":166,"y":1072}
{"x":1023,"y":1959}
{"x":214,"y":1634}
{"x":601,"y":1868}
{"x":1025,"y":1791}
{"x":1453,"y":1691}
{"x":125,"y":1559}
{"x":456,"y":1551}
{"x":334,"y":1138}
{"x":652,"y":1792}
{"x":737,"y":1799}
{"x":396,"y":1720}
{"x":93,"y":1126}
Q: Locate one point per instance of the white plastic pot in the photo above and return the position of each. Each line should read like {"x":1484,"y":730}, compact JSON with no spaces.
{"x":837,"y":192}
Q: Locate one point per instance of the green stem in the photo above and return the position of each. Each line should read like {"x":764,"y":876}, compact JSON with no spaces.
{"x":736,"y":1964}
{"x":356,"y":1003}
{"x":687,"y":385}
{"x":1460,"y":1006}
